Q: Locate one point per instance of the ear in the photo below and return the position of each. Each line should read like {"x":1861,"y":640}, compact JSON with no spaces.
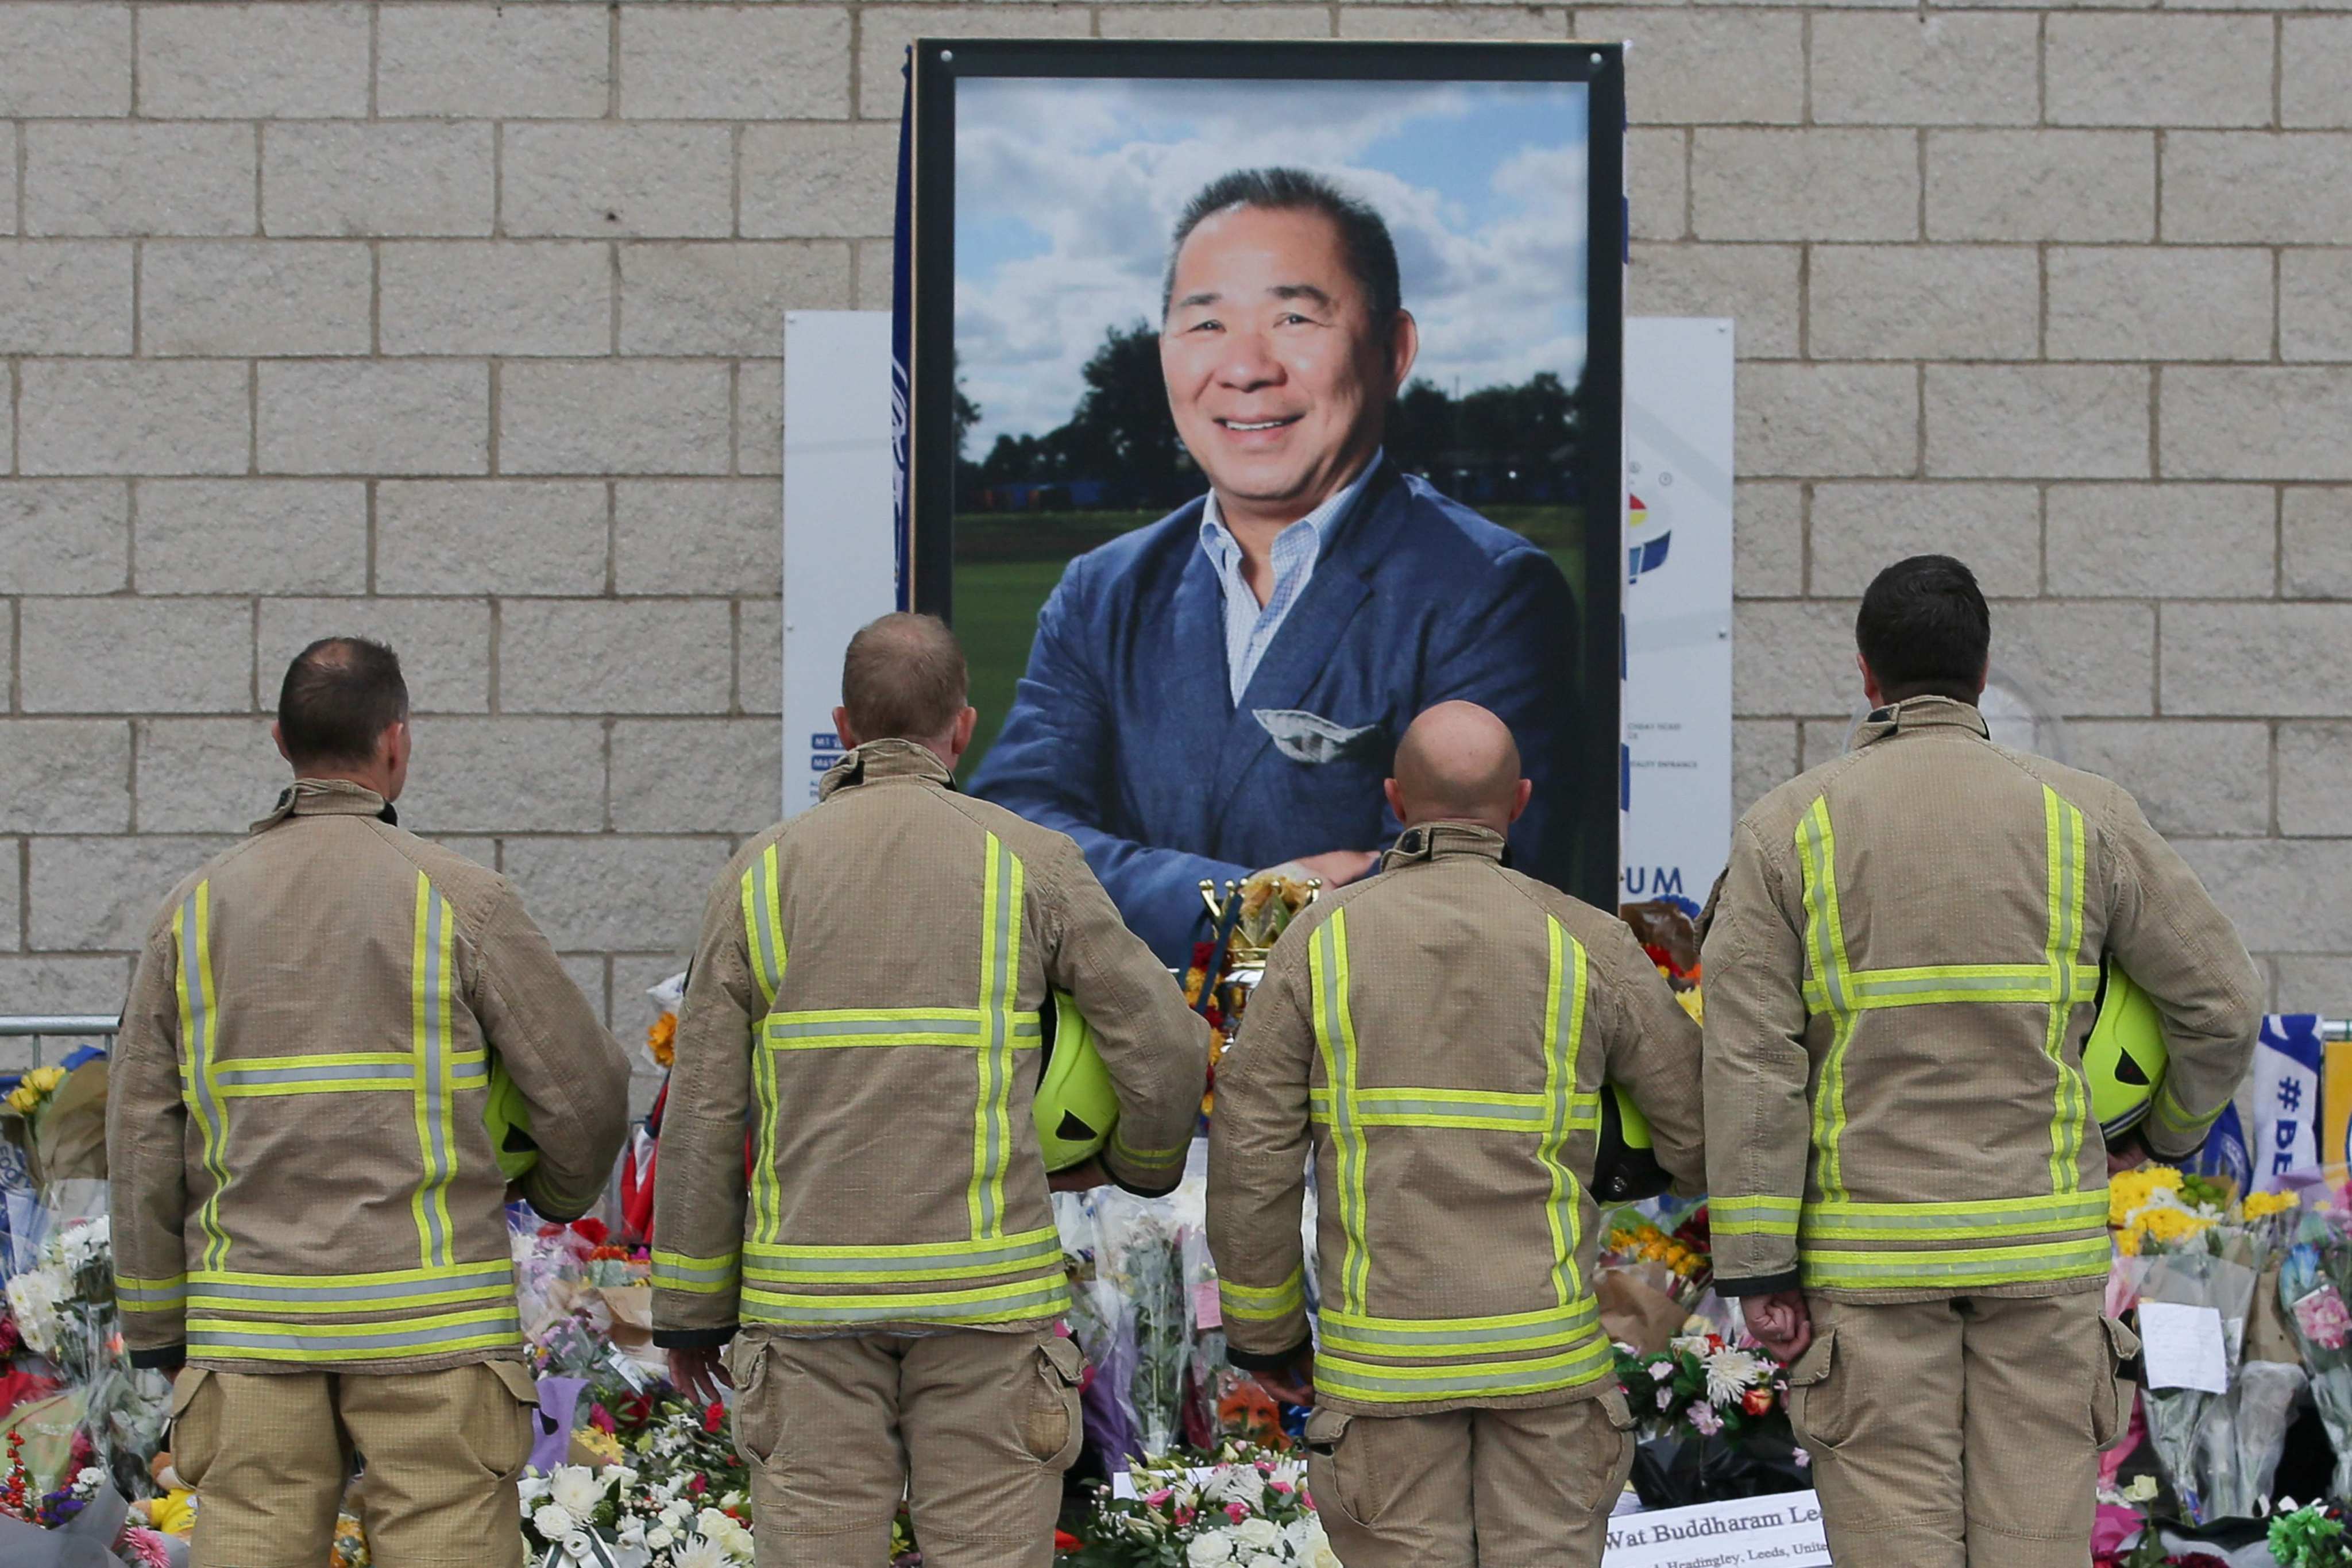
{"x":1984,"y":678}
{"x":1404,"y":347}
{"x":1394,"y":797}
{"x":841,"y":728}
{"x":966,"y":722}
{"x":1870,"y":690}
{"x":1520,"y":802}
{"x":278,"y":738}
{"x":393,"y":746}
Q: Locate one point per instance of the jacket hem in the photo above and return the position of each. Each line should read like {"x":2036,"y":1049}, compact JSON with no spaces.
{"x":1257,"y":1361}
{"x":693,"y":1339}
{"x":2015,"y":1290}
{"x":164,"y":1359}
{"x":1592,"y":1388}
{"x":1760,"y":1284}
{"x":384,"y":1367}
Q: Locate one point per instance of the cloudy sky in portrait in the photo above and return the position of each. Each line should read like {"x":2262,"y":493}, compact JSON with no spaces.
{"x":1066,"y":190}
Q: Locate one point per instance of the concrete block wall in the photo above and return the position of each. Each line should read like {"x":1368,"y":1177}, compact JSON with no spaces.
{"x":458,"y":322}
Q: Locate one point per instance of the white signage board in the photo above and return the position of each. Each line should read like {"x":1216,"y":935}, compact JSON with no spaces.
{"x":841,"y":562}
{"x":1676,"y":832}
{"x":1783,"y":1530}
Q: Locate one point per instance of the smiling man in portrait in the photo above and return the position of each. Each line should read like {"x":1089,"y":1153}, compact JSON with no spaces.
{"x":1222,"y":691}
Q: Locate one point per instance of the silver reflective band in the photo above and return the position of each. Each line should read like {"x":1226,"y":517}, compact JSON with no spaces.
{"x":1047,"y":1298}
{"x":779,"y":1262}
{"x":481,"y":1280}
{"x":263,"y":1339}
{"x":1444,"y":1332}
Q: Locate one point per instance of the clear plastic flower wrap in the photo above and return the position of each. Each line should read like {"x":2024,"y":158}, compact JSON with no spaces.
{"x":2194,"y":1274}
{"x":1141,"y":1256}
{"x":2314,"y":1287}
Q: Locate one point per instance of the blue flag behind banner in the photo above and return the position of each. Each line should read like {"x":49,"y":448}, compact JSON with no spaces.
{"x":902,"y":319}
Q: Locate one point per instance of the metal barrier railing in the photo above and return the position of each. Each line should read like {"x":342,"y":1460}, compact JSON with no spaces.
{"x":39,"y":1026}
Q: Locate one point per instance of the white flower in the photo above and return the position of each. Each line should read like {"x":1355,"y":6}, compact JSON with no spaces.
{"x":1661,"y":1370}
{"x":1258,"y":1534}
{"x":553,"y":1521}
{"x":1264,"y":1560}
{"x":1319,"y":1547}
{"x":576,"y":1547}
{"x":700,"y":1554}
{"x":1210,"y":1549}
{"x":533,"y":1486}
{"x":659,"y":1536}
{"x":575,"y":1491}
{"x":1730,"y":1374}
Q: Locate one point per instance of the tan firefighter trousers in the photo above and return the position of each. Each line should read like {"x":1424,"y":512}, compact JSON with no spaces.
{"x":270,"y":1453}
{"x":1961,"y":1433}
{"x":974,"y":1429}
{"x":1471,"y":1489}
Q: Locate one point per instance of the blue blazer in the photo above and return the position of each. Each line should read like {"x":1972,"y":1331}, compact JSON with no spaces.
{"x":1122,"y":733}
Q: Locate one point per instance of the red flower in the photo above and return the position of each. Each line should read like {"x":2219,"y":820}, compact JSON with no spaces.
{"x":1064,"y":1542}
{"x":697,"y":1485}
{"x":594,"y":1230}
{"x":714,"y":1420}
{"x":1757,"y":1402}
{"x":1201,"y":951}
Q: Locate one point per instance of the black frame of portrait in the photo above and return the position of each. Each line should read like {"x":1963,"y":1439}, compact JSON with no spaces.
{"x":939,"y":63}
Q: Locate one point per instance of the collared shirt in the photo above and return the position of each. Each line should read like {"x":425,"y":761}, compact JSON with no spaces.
{"x":1250,"y":627}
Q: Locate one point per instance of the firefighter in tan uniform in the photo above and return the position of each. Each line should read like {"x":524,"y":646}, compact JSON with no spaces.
{"x":1907,"y":1187}
{"x":308,"y":1208}
{"x":1435,"y":1039}
{"x":867,"y":988}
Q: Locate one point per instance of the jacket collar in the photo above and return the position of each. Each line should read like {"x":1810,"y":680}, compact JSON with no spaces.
{"x":327,"y":797}
{"x":878,"y":760}
{"x":1920,"y":713}
{"x":1444,"y":841}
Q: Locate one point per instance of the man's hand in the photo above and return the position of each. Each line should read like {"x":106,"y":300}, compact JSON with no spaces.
{"x":698,"y":1373}
{"x":1294,"y":1385}
{"x":1083,"y":1177}
{"x":2126,"y":1153}
{"x":1338,"y":868}
{"x":1780,"y":1322}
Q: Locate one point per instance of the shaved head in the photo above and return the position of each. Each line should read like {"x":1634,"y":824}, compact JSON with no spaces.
{"x":1458,"y":763}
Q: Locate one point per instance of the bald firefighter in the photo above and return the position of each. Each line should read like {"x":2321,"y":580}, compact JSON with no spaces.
{"x":1435,"y":1041}
{"x":308,"y":1206}
{"x":868,"y":992}
{"x":1907,"y":1187}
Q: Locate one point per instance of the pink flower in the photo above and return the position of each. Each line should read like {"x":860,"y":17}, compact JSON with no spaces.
{"x":1665,"y":1397}
{"x":1237,"y":1513}
{"x":1800,"y":1456}
{"x":1703,"y":1417}
{"x":1162,"y":1495}
{"x":1283,"y":1486}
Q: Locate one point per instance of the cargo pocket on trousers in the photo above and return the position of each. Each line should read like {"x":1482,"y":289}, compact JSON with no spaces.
{"x":1815,"y":1406}
{"x":2110,"y":1398}
{"x":1052,"y":1428}
{"x":1612,"y":1450}
{"x":758,"y":1420}
{"x":1339,"y":1469}
{"x":504,"y":1425}
{"x":194,"y":1436}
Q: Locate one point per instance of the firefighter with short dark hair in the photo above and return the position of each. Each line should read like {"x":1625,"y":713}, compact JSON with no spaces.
{"x":1907,"y":1182}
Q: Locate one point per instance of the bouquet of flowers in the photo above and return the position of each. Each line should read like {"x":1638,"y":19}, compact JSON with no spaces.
{"x":1238,"y":1505}
{"x":1678,"y":1266}
{"x":652,"y":1524}
{"x":64,"y":1309}
{"x":2315,"y":1284}
{"x":1139,"y":1259}
{"x":1701,"y":1386}
{"x":2312,"y":1537}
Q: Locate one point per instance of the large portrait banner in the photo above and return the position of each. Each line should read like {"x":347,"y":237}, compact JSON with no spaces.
{"x":1264,"y":397}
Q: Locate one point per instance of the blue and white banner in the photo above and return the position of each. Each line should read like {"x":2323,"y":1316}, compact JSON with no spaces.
{"x":2287,"y":1061}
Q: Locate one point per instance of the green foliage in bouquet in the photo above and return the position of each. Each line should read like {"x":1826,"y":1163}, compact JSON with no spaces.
{"x":2311,"y":1536}
{"x":1700,"y":1387}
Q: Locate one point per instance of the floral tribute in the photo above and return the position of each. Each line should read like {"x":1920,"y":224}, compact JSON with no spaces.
{"x":1702,"y":1387}
{"x":1239,"y":1504}
{"x":672,"y":1492}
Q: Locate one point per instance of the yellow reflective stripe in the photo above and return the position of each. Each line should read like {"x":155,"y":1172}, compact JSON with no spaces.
{"x":1449,"y":1109}
{"x":1335,"y":1039}
{"x":233,"y":1339}
{"x":1439,"y":1338}
{"x":2171,"y":1116}
{"x":701,"y":1276}
{"x":1956,"y":1221}
{"x":242,"y":1065}
{"x":1263,"y":1303}
{"x":1873,"y":989}
{"x":1392,"y":1384}
{"x":229,"y":1299}
{"x":1147,"y":1159}
{"x":1028,"y":1251}
{"x":763,"y":939}
{"x":432,"y":996}
{"x":1000,"y":975}
{"x":2073,"y":1259}
{"x":1563,"y":1206}
{"x":2063,"y":834}
{"x":1826,"y":953}
{"x":192,"y":932}
{"x":1011,"y":1302}
{"x":150,"y":1295}
{"x":1752,"y":1216}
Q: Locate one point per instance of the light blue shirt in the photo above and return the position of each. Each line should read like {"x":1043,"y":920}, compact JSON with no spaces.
{"x":1249,"y":626}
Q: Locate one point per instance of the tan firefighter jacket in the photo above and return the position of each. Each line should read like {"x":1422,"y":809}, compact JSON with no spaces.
{"x":865,"y":995}
{"x":1898,"y":984}
{"x":302,"y":1177}
{"x":1436,"y":1038}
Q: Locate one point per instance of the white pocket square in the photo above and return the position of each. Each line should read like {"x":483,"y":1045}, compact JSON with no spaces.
{"x":1305,"y":737}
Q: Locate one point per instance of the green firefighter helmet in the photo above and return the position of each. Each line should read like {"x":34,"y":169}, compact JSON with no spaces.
{"x":507,"y":1116}
{"x":1075,"y":1107}
{"x":1626,"y":1170}
{"x":2125,"y":1057}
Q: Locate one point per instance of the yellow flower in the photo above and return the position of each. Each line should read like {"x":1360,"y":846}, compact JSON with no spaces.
{"x":23,"y":1097}
{"x":660,"y":1038}
{"x":46,"y":1078}
{"x":2261,"y":1205}
{"x":1694,"y":1004}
